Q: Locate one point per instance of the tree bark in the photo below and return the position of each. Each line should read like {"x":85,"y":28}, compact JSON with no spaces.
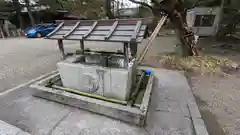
{"x":29,"y":12}
{"x":177,"y":14}
{"x":108,"y":8}
{"x":17,"y":8}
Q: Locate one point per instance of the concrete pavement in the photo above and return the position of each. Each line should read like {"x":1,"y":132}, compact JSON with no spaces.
{"x":25,"y":59}
{"x":172,"y":111}
{"x":7,"y":129}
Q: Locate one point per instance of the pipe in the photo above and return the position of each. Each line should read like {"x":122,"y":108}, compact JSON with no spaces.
{"x":153,"y":36}
{"x":90,"y":95}
{"x":136,"y":90}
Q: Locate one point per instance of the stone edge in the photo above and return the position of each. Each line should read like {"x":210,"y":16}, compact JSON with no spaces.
{"x":198,"y":123}
{"x":126,"y":113}
{"x":7,"y":129}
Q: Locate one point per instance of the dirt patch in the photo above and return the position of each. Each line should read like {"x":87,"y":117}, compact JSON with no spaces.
{"x":217,"y":96}
{"x":203,"y":64}
{"x":218,"y":101}
{"x":210,"y":120}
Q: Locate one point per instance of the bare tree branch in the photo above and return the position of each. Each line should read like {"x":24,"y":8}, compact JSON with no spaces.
{"x":141,"y":3}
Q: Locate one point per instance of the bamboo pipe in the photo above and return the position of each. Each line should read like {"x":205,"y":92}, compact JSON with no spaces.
{"x":90,"y":95}
{"x":136,"y":90}
{"x":153,"y":36}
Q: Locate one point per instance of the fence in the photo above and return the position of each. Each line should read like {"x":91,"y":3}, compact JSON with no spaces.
{"x":11,"y":33}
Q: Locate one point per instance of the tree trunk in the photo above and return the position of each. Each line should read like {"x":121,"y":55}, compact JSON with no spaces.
{"x":17,"y":8}
{"x":108,"y":8}
{"x":177,"y":14}
{"x":29,"y":12}
{"x":20,"y":20}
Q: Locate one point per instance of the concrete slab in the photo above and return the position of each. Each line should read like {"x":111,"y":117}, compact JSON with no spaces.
{"x":171,"y":94}
{"x":31,"y":114}
{"x":172,"y":107}
{"x":200,"y":127}
{"x":23,"y":133}
{"x":85,"y":123}
{"x":165,"y":123}
{"x":7,"y":129}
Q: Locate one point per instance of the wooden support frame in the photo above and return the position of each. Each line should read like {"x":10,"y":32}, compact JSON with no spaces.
{"x":136,"y":30}
{"x":126,"y":54}
{"x":134,"y":49}
{"x":61,"y":48}
{"x":1,"y":32}
{"x":82,"y":45}
{"x":114,"y":26}
{"x":72,"y":30}
{"x":124,"y":31}
{"x":90,"y":30}
{"x":56,"y":29}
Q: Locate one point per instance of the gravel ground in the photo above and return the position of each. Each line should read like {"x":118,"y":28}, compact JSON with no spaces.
{"x":218,"y":97}
{"x":218,"y":100}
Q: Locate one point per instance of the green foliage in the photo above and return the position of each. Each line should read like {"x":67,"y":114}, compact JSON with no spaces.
{"x":75,"y":7}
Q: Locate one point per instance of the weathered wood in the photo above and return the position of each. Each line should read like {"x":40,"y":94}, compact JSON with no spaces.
{"x":90,"y":30}
{"x":136,"y":30}
{"x":101,"y":30}
{"x":56,"y":29}
{"x":112,"y":30}
{"x":1,"y":32}
{"x":72,"y":30}
{"x":126,"y":54}
{"x":82,"y":45}
{"x":61,"y":48}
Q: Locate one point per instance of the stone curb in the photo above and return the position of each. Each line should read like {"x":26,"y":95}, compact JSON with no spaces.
{"x":198,"y":123}
{"x":7,"y":129}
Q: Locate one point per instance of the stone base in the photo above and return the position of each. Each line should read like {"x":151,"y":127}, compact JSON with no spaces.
{"x":129,"y":114}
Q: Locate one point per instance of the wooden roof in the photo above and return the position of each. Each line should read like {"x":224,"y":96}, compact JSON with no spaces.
{"x":100,"y":30}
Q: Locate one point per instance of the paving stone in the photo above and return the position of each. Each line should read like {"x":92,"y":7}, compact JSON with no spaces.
{"x":7,"y":129}
{"x":164,"y":123}
{"x":193,"y":108}
{"x":200,"y":127}
{"x":23,"y":133}
{"x":81,"y":122}
{"x":171,"y":86}
{"x":173,"y":107}
{"x":34,"y":115}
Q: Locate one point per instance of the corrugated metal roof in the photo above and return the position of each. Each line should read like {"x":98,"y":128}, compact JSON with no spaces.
{"x":101,"y":30}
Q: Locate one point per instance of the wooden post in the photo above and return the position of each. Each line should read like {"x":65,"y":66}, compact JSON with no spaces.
{"x":82,"y":45}
{"x":13,"y":32}
{"x":19,"y":32}
{"x":134,"y":48}
{"x":61,"y":48}
{"x":1,"y":32}
{"x":126,"y":54}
